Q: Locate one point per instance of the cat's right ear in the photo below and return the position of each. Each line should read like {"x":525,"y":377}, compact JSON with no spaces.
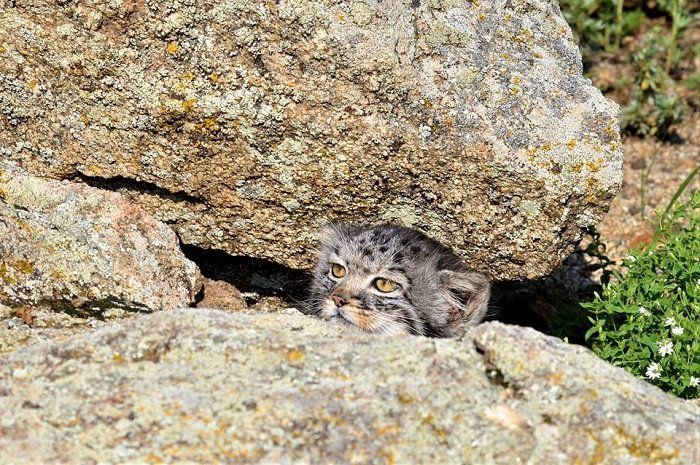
{"x":468,"y":295}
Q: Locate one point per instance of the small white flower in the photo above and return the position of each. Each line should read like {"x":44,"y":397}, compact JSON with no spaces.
{"x":653,"y":371}
{"x":694,"y":381}
{"x":643,"y":311}
{"x":631,"y":258}
{"x":666,"y":348}
{"x":670,"y":321}
{"x":676,"y":330}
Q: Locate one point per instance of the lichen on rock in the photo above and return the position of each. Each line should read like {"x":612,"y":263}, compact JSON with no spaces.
{"x":246,"y":125}
{"x":206,"y":386}
{"x":78,"y":249}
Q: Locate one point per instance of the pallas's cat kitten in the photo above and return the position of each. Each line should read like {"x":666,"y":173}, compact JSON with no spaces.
{"x":394,"y":280}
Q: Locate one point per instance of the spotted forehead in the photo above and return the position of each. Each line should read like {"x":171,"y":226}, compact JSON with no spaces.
{"x":373,"y":250}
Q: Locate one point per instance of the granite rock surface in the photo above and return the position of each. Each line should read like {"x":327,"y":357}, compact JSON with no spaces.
{"x":247,"y":124}
{"x":205,"y":386}
{"x":84,"y":251}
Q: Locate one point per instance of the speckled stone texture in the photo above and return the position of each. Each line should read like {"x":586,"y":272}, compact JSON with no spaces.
{"x":206,"y":386}
{"x":78,"y":249}
{"x":247,"y":124}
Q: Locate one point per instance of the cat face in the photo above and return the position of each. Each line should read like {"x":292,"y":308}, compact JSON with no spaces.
{"x":393,"y":280}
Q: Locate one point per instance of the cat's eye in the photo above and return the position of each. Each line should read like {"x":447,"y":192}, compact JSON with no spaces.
{"x":338,"y":270}
{"x":385,"y":285}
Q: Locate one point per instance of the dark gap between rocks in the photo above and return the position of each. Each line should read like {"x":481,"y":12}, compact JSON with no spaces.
{"x":118,"y":183}
{"x":255,"y":278}
{"x":549,"y":305}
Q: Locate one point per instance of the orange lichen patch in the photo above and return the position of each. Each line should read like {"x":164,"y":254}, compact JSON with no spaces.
{"x":118,"y":358}
{"x":406,"y":398}
{"x":58,"y":275}
{"x":84,"y":118}
{"x":151,"y":457}
{"x":214,"y":78}
{"x":295,"y":355}
{"x":482,"y":16}
{"x":172,"y":48}
{"x":2,"y":194}
{"x":32,"y":83}
{"x":517,"y":79}
{"x":594,"y":166}
{"x":211,"y":125}
{"x":427,"y":104}
{"x":651,"y":450}
{"x":515,"y":90}
{"x":2,"y":49}
{"x":537,"y":55}
{"x":610,"y":129}
{"x":571,"y":144}
{"x":576,"y":167}
{"x":24,"y":266}
{"x":439,"y":431}
{"x":189,"y":104}
{"x":389,"y":456}
{"x":341,"y":17}
{"x":525,"y":35}
{"x":448,"y":122}
{"x":556,"y":379}
{"x":506,"y":56}
{"x":388,"y":429}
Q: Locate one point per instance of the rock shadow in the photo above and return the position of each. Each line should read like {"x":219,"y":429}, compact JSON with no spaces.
{"x":550,"y":304}
{"x":255,"y":278}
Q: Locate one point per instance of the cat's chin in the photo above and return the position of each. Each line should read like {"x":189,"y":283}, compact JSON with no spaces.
{"x":340,"y":321}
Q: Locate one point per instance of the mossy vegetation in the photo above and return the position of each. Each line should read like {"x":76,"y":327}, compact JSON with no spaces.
{"x":645,"y":314}
{"x":654,"y":39}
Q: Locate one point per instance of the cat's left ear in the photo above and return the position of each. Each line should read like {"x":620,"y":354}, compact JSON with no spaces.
{"x":468,"y":295}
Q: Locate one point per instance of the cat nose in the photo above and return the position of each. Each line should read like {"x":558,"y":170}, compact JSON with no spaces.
{"x":340,"y":299}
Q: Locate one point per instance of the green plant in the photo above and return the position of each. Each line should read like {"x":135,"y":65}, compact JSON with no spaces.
{"x":647,"y":320}
{"x":680,"y":20}
{"x":601,"y":23}
{"x":655,"y":106}
{"x":570,"y":320}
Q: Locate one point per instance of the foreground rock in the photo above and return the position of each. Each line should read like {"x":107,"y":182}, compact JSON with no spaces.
{"x":207,"y":386}
{"x":247,"y":124}
{"x":76,"y":248}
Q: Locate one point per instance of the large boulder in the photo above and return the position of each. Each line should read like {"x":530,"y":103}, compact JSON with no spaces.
{"x":72,"y":247}
{"x":247,"y":124}
{"x":206,"y":386}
